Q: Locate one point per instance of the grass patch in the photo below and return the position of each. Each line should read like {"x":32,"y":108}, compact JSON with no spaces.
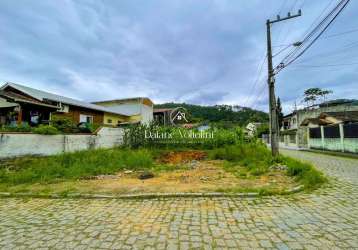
{"x":257,"y":159}
{"x":304,"y":173}
{"x":72,"y":166}
{"x":259,"y":191}
{"x":254,"y":157}
{"x":249,"y":162}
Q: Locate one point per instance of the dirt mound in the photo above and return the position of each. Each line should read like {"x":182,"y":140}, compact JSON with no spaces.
{"x":182,"y":157}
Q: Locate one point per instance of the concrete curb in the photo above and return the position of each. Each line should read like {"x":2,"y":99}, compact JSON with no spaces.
{"x":142,"y":196}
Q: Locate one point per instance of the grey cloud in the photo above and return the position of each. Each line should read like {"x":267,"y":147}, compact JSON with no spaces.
{"x":204,"y":52}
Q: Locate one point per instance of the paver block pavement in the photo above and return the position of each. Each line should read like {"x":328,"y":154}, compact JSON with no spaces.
{"x":324,"y":219}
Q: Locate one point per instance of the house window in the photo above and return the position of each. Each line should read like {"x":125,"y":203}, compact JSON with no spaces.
{"x":109,"y":120}
{"x":86,"y":118}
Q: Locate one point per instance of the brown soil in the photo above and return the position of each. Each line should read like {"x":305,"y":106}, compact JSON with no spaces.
{"x":182,"y":157}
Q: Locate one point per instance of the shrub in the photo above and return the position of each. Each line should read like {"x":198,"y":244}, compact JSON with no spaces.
{"x":72,"y":166}
{"x":16,"y":128}
{"x":45,"y":130}
{"x":93,"y":127}
{"x":64,"y":125}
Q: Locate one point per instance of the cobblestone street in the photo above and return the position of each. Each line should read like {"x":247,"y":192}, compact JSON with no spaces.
{"x":325,"y":219}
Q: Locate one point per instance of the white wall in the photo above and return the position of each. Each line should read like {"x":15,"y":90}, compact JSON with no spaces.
{"x":17,"y":144}
{"x":133,"y":109}
{"x":146,"y":114}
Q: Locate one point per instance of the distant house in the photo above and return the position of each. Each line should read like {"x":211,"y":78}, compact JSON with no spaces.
{"x":170,"y":116}
{"x":162,"y":116}
{"x":21,"y":104}
{"x":138,"y":109}
{"x":295,"y":125}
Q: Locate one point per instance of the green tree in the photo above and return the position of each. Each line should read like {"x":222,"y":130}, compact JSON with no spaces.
{"x":312,"y":94}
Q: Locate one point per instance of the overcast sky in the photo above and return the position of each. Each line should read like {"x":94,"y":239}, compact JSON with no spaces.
{"x":195,"y":51}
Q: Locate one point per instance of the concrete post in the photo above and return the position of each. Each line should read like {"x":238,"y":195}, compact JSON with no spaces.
{"x":322,"y":136}
{"x":308,"y":138}
{"x":341,"y":134}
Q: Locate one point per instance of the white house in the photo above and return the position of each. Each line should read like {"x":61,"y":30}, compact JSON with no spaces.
{"x":139,"y":109}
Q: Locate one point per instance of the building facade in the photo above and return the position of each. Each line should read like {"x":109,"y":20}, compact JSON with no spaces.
{"x":295,"y":127}
{"x":20,"y":104}
{"x":138,"y":110}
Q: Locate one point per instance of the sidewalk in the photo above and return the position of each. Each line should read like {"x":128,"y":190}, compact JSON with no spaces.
{"x":326,"y":152}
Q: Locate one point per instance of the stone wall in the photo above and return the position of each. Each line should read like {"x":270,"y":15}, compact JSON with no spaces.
{"x":19,"y":144}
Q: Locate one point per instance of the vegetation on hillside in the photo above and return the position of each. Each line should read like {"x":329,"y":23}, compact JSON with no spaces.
{"x":226,"y":114}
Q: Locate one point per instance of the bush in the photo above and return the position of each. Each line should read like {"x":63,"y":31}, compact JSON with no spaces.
{"x":64,"y":125}
{"x":262,"y":129}
{"x":16,"y":128}
{"x":87,"y":127}
{"x":45,"y":130}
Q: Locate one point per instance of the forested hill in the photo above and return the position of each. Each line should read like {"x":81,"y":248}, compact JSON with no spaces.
{"x":220,"y":113}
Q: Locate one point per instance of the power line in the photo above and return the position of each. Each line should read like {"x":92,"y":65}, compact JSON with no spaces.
{"x":260,"y":66}
{"x":344,"y":49}
{"x":340,"y":34}
{"x":256,"y":79}
{"x":287,"y":26}
{"x":279,"y":13}
{"x":340,"y":7}
{"x":282,"y":6}
{"x":319,"y":16}
{"x":327,"y":65}
{"x":281,"y":45}
{"x":260,"y":87}
{"x":282,"y":50}
{"x":261,"y":92}
{"x":315,"y":39}
{"x":308,"y":34}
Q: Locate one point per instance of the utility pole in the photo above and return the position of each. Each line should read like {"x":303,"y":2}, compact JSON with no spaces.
{"x":274,"y":128}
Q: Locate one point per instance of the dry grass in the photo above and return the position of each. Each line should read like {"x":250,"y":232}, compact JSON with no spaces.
{"x":204,"y":176}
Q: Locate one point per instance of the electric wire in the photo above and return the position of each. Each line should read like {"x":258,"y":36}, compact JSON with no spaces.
{"x":297,"y":53}
{"x":260,"y":68}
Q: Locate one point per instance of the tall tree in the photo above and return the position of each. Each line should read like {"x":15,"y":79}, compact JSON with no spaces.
{"x":312,"y":94}
{"x":279,"y":113}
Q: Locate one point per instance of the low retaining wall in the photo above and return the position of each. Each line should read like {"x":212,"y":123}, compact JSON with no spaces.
{"x":19,"y":144}
{"x":345,"y":145}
